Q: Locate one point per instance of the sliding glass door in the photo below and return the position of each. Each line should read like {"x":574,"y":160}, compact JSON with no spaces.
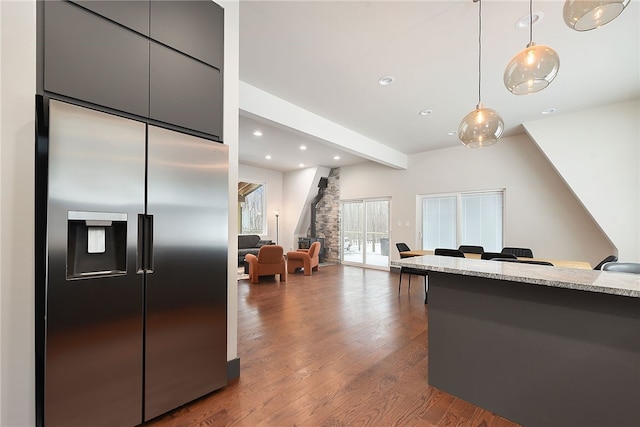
{"x":365,"y":232}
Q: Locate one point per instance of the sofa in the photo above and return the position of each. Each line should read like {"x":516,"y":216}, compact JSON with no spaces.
{"x":250,"y":244}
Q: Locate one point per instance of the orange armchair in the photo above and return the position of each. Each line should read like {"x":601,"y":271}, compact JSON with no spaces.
{"x":270,"y":261}
{"x":303,"y":258}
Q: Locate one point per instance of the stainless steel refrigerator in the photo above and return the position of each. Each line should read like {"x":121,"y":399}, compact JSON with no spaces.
{"x":131,"y":229}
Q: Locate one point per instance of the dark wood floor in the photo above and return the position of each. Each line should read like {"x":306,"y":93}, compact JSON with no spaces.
{"x":336,"y":348}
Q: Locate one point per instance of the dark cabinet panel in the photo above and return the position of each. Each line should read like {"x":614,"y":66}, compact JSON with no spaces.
{"x":94,"y":60}
{"x":185,"y":92}
{"x":190,"y":26}
{"x":131,"y":14}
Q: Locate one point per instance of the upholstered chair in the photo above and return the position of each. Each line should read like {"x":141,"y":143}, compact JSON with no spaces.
{"x":270,"y":261}
{"x":303,"y":258}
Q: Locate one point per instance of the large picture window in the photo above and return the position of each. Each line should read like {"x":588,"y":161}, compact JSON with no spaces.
{"x":251,"y":208}
{"x":473,"y":218}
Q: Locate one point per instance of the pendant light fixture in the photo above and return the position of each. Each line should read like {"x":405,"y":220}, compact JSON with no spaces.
{"x":585,"y":15}
{"x":483,"y":126}
{"x":533,"y":68}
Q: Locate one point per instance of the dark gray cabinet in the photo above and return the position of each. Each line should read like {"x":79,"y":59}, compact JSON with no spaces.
{"x":159,"y":60}
{"x":131,"y":14}
{"x":94,"y":60}
{"x":184,"y":92}
{"x":195,"y":27}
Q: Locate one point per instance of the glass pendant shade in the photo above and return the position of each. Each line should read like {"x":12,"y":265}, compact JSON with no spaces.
{"x":481,"y":127}
{"x":531,"y":70}
{"x":585,"y":15}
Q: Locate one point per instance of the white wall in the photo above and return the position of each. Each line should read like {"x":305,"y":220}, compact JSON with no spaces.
{"x":273,"y":184}
{"x":230,"y":136}
{"x":1,"y":215}
{"x":540,"y":211}
{"x":300,"y":187}
{"x":297,"y":185}
{"x":17,"y":127}
{"x":597,"y":153}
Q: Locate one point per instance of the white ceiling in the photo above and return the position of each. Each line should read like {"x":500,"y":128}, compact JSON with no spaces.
{"x":327,"y":56}
{"x":283,"y":146}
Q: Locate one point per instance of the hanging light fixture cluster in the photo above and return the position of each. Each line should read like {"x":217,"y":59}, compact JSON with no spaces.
{"x":483,"y":126}
{"x":533,"y":68}
{"x":585,"y":15}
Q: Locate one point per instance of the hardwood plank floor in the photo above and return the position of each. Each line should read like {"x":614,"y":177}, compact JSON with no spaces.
{"x":337,"y":348}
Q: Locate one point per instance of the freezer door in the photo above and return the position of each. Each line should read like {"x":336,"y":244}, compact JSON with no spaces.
{"x":93,"y":350}
{"x":186,"y":294}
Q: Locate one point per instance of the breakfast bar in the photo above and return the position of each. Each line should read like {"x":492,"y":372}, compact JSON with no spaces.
{"x":540,"y":345}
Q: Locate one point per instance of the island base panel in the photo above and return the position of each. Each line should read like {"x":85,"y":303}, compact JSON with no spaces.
{"x":537,"y":355}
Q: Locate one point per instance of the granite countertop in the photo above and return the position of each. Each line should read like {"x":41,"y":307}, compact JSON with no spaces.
{"x":605,"y":282}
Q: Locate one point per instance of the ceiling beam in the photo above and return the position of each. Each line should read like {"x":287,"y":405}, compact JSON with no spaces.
{"x":263,"y":104}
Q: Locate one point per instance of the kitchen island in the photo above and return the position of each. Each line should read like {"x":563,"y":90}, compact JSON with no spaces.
{"x":542,"y":346}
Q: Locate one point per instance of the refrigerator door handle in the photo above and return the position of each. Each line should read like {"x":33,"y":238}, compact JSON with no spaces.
{"x":145,"y":244}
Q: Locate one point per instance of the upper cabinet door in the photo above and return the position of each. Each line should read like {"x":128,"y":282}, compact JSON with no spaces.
{"x":185,"y":92}
{"x":190,"y":26}
{"x":131,"y":14}
{"x":92,"y":59}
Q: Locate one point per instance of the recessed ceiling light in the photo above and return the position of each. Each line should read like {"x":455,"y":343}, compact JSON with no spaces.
{"x":386,"y":80}
{"x":549,"y":111}
{"x":301,"y":165}
{"x":268,"y":157}
{"x":336,"y":157}
{"x":303,"y":147}
{"x":451,"y":132}
{"x":257,"y":133}
{"x":524,"y":21}
{"x":426,"y":112}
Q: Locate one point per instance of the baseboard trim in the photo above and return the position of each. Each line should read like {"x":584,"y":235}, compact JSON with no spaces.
{"x":233,"y":369}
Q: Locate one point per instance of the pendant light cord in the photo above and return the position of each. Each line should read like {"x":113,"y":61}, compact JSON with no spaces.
{"x":479,"y":49}
{"x":530,"y":21}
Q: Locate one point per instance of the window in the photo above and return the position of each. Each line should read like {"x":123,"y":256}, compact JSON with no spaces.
{"x":251,"y":207}
{"x":451,"y":220}
{"x":439,"y":218}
